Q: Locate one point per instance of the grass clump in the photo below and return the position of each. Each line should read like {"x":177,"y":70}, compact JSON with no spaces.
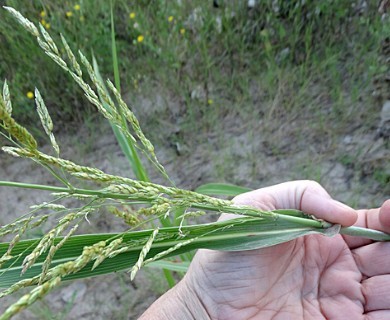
{"x":199,"y":53}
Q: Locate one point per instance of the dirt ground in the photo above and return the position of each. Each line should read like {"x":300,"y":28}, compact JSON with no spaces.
{"x":252,"y":155}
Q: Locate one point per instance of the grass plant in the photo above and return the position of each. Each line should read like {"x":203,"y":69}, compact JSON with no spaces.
{"x":61,"y":253}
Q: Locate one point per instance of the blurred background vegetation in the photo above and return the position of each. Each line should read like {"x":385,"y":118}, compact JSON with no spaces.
{"x":194,"y":48}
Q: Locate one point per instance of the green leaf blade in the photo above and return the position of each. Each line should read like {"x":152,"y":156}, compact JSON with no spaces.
{"x":221,"y":189}
{"x":230,"y":235}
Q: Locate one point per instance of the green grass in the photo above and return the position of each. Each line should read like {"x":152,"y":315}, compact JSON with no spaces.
{"x":333,"y":49}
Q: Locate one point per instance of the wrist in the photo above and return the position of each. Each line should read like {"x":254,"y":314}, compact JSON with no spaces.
{"x":179,"y":303}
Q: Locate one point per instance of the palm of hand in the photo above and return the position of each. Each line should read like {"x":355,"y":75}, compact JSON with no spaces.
{"x":309,"y":278}
{"x":313,"y":277}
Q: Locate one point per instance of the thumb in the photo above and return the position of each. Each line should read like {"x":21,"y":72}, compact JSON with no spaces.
{"x":305,"y":195}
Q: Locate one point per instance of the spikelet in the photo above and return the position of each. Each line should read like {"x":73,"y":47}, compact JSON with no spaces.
{"x":156,"y":209}
{"x":168,"y":251}
{"x":46,"y":159}
{"x":45,"y":47}
{"x":7,"y":255}
{"x":145,"y":250}
{"x":113,"y":245}
{"x":71,"y":57}
{"x":27,"y":24}
{"x":14,"y":226}
{"x":41,"y":220}
{"x":192,"y":214}
{"x":49,"y":40}
{"x":4,"y":258}
{"x":58,"y":60}
{"x":100,"y":89}
{"x":52,"y":251}
{"x":131,"y":118}
{"x":121,"y":188}
{"x":126,"y":215}
{"x":7,"y":98}
{"x":28,"y":299}
{"x":14,"y":129}
{"x":46,"y":121}
{"x":51,"y":206}
{"x":19,"y":285}
{"x":89,"y":253}
{"x":47,"y":240}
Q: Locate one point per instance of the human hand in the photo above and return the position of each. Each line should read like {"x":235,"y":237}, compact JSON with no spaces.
{"x":313,"y":277}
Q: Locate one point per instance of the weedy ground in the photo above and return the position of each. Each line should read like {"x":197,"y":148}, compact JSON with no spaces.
{"x":229,"y":94}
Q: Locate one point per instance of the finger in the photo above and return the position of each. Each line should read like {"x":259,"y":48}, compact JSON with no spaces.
{"x":376,"y":291}
{"x":287,"y":195}
{"x":377,"y":219}
{"x":384,"y":217}
{"x":308,"y":196}
{"x":328,"y":209}
{"x":373,"y":259}
{"x":378,"y":315}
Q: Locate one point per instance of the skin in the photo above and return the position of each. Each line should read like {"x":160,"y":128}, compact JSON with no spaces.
{"x":312,"y":277}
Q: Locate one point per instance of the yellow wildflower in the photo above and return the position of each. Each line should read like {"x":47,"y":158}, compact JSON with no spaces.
{"x":182,"y":31}
{"x":69,"y":14}
{"x":76,"y":7}
{"x":132,"y":15}
{"x":30,"y":95}
{"x":140,"y":38}
{"x":210,"y":101}
{"x":45,"y":24}
{"x":82,"y":18}
{"x":43,"y":13}
{"x":170,"y":18}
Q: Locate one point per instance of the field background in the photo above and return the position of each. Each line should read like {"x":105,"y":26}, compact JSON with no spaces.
{"x":250,"y":96}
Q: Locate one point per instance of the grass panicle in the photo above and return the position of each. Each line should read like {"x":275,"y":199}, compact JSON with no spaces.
{"x":50,"y":49}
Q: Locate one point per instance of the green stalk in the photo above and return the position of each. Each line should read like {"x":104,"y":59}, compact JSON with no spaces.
{"x":132,"y":155}
{"x":169,"y":277}
{"x":289,"y":216}
{"x":126,"y":144}
{"x":276,"y":215}
{"x":115,"y":64}
{"x":365,"y":233}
